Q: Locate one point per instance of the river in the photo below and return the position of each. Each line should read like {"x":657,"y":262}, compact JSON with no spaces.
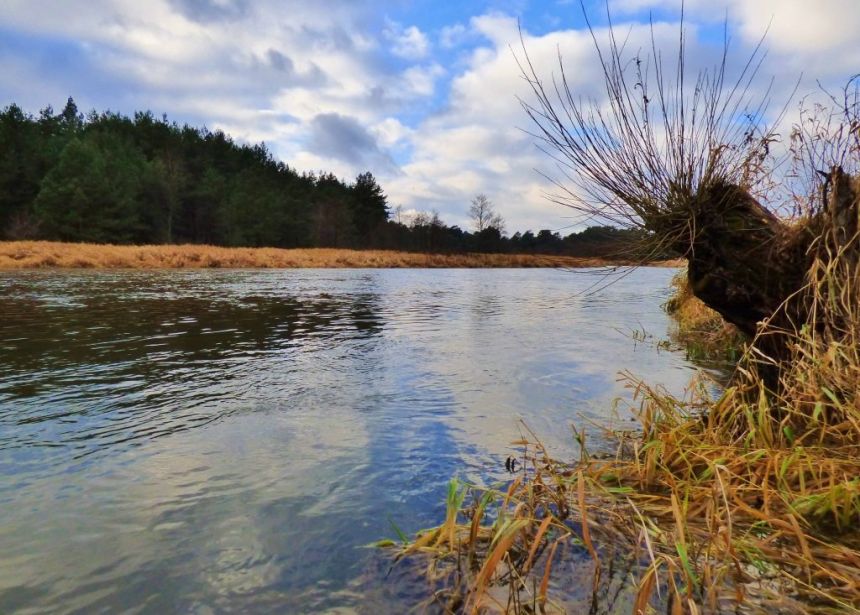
{"x":230,"y":441}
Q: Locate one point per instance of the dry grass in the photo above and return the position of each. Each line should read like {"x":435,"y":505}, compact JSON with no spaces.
{"x":698,"y":329}
{"x":46,"y":254}
{"x":746,"y":503}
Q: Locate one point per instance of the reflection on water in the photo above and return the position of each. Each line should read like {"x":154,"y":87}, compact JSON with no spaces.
{"x":230,"y":440}
{"x":123,"y":363}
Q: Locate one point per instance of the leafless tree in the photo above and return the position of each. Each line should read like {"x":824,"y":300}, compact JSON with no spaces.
{"x":685,"y":157}
{"x":419,"y":219}
{"x":484,"y":216}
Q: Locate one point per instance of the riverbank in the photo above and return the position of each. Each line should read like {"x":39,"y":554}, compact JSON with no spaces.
{"x":50,"y":254}
{"x":744,"y":498}
{"x":697,"y":329}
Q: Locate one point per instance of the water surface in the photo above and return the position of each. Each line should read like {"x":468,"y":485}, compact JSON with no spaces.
{"x":229,"y":441}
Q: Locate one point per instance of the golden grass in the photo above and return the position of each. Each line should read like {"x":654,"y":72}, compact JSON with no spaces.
{"x":698,"y":329}
{"x":49,"y":254}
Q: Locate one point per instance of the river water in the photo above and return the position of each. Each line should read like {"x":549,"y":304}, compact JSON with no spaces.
{"x":230,"y":441}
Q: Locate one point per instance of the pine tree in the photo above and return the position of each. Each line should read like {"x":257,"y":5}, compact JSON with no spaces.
{"x":370,"y":207}
{"x":93,"y":193}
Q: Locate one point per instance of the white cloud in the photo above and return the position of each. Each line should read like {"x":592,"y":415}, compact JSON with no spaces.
{"x":421,"y":80}
{"x":815,"y":37}
{"x":818,"y":36}
{"x":409,"y":43}
{"x":390,"y":131}
{"x":452,"y":36}
{"x":477,"y":145}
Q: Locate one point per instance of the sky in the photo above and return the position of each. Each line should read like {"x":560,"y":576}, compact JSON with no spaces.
{"x":422,"y":93}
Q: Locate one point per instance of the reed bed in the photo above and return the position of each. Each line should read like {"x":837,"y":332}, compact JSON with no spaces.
{"x":748,"y":502}
{"x":48,"y":254}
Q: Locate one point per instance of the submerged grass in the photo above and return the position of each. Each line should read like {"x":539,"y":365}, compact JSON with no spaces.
{"x":50,"y":254}
{"x":747,"y":502}
{"x":698,"y":329}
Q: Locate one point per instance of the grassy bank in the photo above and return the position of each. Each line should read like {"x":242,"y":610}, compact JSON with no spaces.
{"x":698,"y":329}
{"x":48,"y":254}
{"x":748,"y":502}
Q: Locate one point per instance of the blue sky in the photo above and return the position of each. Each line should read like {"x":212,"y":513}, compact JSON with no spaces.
{"x":421,"y":93}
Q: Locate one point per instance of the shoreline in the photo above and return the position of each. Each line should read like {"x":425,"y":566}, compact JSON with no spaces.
{"x":30,"y":255}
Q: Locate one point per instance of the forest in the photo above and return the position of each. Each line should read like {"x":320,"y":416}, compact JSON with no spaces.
{"x":109,"y":178}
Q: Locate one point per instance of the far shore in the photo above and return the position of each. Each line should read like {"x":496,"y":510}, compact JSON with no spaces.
{"x":59,"y":255}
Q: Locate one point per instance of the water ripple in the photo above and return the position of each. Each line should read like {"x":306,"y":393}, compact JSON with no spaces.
{"x":229,"y":440}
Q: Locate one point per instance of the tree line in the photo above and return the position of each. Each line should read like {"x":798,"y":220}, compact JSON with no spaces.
{"x":109,"y":178}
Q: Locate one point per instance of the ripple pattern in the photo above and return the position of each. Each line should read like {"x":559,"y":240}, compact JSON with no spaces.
{"x":227,"y":441}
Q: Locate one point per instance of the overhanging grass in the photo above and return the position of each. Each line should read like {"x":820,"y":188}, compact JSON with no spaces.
{"x":750,"y":501}
{"x":698,"y":329}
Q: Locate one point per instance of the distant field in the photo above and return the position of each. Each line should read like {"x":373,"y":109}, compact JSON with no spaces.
{"x":49,"y":254}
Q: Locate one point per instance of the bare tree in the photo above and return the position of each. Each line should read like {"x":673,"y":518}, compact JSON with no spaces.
{"x":484,"y":216}
{"x":685,"y":158}
{"x":419,"y":219}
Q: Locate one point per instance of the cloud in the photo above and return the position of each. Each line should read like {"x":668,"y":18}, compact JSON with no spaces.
{"x":409,"y":43}
{"x":212,"y":10}
{"x":345,"y":138}
{"x":819,"y":37}
{"x":390,"y":132}
{"x":453,"y":36}
{"x":421,"y":80}
{"x":344,"y":86}
{"x":280,"y":62}
{"x":477,"y":144}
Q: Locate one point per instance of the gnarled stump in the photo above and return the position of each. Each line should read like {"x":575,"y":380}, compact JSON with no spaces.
{"x":750,"y":266}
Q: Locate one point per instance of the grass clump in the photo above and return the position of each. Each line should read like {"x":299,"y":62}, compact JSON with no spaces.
{"x":746,"y":502}
{"x":698,"y":329}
